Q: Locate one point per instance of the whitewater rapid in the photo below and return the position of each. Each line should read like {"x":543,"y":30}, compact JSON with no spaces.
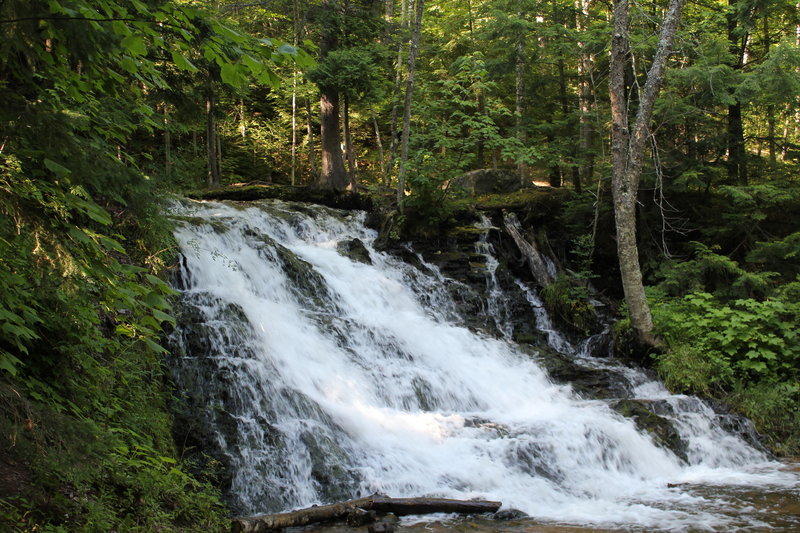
{"x":320,"y":377}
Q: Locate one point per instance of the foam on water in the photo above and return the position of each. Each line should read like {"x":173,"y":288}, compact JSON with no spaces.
{"x":321,"y":377}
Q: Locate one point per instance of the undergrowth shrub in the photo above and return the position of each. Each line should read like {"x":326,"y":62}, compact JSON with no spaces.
{"x":745,"y":339}
{"x":774,"y":408}
{"x":744,"y":352}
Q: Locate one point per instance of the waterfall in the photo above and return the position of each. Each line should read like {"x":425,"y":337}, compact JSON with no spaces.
{"x":314,"y":377}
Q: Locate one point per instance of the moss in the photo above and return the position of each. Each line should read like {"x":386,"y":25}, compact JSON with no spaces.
{"x":659,"y":428}
{"x":567,"y":297}
{"x":539,"y":199}
{"x":262,"y":191}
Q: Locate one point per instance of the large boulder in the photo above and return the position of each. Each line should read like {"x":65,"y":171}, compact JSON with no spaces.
{"x":489,"y":181}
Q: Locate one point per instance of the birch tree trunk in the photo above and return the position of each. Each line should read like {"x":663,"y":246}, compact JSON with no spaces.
{"x":412,"y":57}
{"x":627,"y":153}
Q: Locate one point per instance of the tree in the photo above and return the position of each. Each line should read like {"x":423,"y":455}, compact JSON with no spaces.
{"x":627,"y":152}
{"x":333,"y":174}
{"x":412,"y":57}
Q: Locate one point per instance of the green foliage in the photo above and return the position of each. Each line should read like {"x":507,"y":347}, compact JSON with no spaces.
{"x":782,"y":255}
{"x":83,"y":248}
{"x":352,"y":72}
{"x":568,"y":295}
{"x":746,"y":339}
{"x":713,"y":272}
{"x":774,"y":408}
{"x":74,"y":474}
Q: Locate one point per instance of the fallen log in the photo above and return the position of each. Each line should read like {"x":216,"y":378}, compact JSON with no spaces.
{"x":534,"y":257}
{"x":377,"y":503}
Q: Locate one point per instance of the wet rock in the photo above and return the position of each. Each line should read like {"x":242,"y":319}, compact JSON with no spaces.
{"x":509,"y":514}
{"x":381,"y":527}
{"x":659,"y":428}
{"x":334,"y":482}
{"x":588,"y":382}
{"x":355,"y":250}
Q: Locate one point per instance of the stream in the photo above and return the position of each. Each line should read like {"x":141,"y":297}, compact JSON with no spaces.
{"x":313,"y":375}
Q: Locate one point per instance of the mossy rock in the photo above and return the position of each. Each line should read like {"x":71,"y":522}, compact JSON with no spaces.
{"x":216,"y":224}
{"x":587,"y":382}
{"x":537,"y":201}
{"x":334,"y":481}
{"x":659,"y":428}
{"x":261,"y":191}
{"x":488,"y":180}
{"x":355,"y":250}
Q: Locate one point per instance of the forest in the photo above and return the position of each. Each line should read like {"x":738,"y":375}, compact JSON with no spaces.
{"x":667,"y":133}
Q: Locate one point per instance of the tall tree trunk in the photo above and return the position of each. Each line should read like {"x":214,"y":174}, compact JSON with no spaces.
{"x":211,"y":139}
{"x":167,"y":143}
{"x":398,"y":84}
{"x":333,"y":175}
{"x":773,"y":157}
{"x":379,"y":142}
{"x":585,"y":65}
{"x":348,"y":146}
{"x":412,"y":57}
{"x":554,"y":169}
{"x":312,"y":149}
{"x":568,"y":131}
{"x":627,"y":153}
{"x":737,"y":157}
{"x":522,"y":167}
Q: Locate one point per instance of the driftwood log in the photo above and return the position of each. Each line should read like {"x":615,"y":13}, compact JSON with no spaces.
{"x":528,"y":249}
{"x":379,"y":504}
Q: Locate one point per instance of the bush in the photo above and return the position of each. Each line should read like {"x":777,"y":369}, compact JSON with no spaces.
{"x":744,"y":353}
{"x":748,"y":339}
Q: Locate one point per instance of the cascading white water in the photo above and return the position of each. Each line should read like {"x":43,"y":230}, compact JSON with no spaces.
{"x":318,"y":377}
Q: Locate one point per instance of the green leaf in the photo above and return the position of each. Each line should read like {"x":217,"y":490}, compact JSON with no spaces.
{"x":182,"y":63}
{"x":57,"y":169}
{"x":164,"y":317}
{"x":154,"y":346}
{"x":287,"y":49}
{"x":268,"y":78}
{"x":9,"y":363}
{"x":156,"y":301}
{"x":129,"y":65}
{"x":229,"y":74}
{"x":134,"y":44}
{"x":111,"y":244}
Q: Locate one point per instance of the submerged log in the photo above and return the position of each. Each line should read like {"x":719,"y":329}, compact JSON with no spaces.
{"x":379,"y":504}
